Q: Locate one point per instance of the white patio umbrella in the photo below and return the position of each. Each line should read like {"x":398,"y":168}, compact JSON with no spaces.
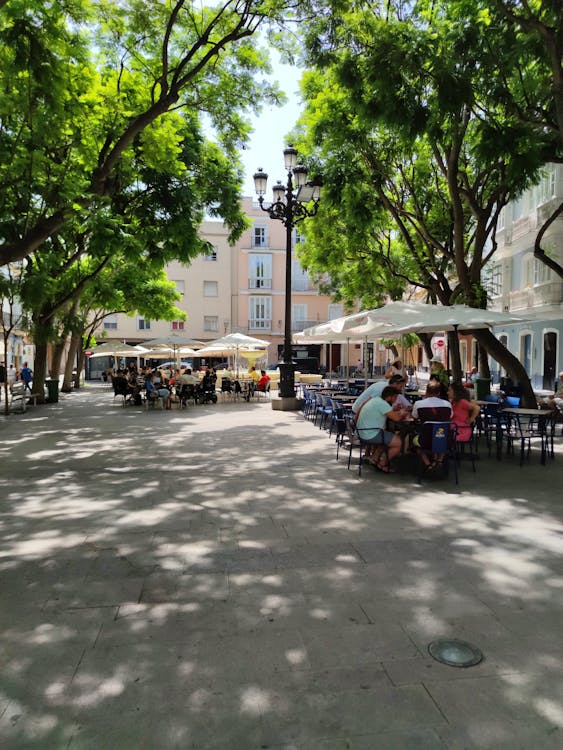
{"x":165,"y":351}
{"x":231,"y":345}
{"x":116,"y":349}
{"x":170,"y":344}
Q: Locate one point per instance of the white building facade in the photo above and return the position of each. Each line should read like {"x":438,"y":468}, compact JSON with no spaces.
{"x":523,"y":285}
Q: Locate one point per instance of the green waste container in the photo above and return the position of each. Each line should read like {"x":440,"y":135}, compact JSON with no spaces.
{"x":52,"y":390}
{"x":482,"y":388}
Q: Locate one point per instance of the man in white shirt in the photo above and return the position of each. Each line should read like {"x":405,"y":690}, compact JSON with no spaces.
{"x":442,"y":409}
{"x":187,"y":378}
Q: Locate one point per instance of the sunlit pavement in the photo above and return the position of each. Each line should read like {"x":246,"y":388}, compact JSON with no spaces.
{"x":213,"y":578}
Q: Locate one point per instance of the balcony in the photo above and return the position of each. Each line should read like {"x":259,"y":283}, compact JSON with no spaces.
{"x":260,"y":283}
{"x":303,"y":285}
{"x":259,"y":324}
{"x":542,"y":295}
{"x":300,"y":325}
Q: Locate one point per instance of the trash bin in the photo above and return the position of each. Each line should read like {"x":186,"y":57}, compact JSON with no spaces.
{"x":482,"y":388}
{"x":52,"y":390}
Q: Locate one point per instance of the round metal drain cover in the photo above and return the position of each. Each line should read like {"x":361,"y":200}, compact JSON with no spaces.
{"x":455,"y":653}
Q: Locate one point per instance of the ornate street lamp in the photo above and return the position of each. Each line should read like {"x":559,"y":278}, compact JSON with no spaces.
{"x":290,"y":207}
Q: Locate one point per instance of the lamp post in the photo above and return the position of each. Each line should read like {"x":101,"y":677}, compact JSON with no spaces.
{"x":290,"y":207}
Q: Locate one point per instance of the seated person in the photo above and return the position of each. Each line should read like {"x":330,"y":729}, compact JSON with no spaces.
{"x":472,"y":377}
{"x":187,"y":378}
{"x":555,"y":401}
{"x":395,"y":368}
{"x":401,"y":402}
{"x":155,"y":391}
{"x":465,"y":411}
{"x":134,"y":388}
{"x":370,"y":424}
{"x":373,"y":390}
{"x":208,"y":381}
{"x":150,"y":389}
{"x":431,"y":409}
{"x":263,"y":381}
{"x":120,"y":384}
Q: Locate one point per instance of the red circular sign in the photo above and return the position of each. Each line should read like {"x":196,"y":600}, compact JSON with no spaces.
{"x":440,"y":343}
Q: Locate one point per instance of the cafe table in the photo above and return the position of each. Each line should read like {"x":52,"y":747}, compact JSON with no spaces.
{"x":523,"y":425}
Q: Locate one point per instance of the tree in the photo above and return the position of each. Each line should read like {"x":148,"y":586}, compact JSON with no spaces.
{"x":11,"y":314}
{"x":400,"y":119}
{"x":84,"y":83}
{"x":533,"y":85}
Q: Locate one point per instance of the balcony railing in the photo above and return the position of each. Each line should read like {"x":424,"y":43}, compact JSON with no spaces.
{"x":537,"y":296}
{"x":300,"y":325}
{"x":260,"y":283}
{"x":259,"y":324}
{"x":302,"y":285}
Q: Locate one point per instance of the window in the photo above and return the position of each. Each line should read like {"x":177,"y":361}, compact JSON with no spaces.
{"x":260,"y":313}
{"x":143,"y":324}
{"x":542,"y":273}
{"x":526,"y":352}
{"x":210,"y":289}
{"x":519,"y":207}
{"x":177,"y":325}
{"x":495,"y":281}
{"x":299,"y":317}
{"x":180,"y":286}
{"x":260,"y":271}
{"x":211,"y":323}
{"x":300,"y":281}
{"x":259,"y":236}
{"x":335,"y":311}
{"x":546,"y":188}
{"x":211,"y":253}
{"x":110,"y":322}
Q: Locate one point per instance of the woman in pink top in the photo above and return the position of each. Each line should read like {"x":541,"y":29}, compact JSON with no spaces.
{"x":464,"y":411}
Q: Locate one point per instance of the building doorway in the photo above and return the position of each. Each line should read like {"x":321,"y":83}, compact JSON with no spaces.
{"x":549,"y":359}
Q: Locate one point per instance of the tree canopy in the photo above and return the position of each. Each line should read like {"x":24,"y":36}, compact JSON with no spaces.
{"x":89,"y":86}
{"x":417,"y":151}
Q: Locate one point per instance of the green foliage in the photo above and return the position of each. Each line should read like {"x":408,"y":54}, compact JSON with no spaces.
{"x":417,"y":153}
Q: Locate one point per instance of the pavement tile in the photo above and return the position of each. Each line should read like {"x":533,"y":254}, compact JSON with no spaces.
{"x":308,"y":718}
{"x":171,"y":622}
{"x":211,"y":597}
{"x":111,"y":592}
{"x":424,"y":739}
{"x":356,"y":645}
{"x":496,"y":734}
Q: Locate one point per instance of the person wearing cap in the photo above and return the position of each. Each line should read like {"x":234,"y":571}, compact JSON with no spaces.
{"x":395,"y":368}
{"x":439,"y":373}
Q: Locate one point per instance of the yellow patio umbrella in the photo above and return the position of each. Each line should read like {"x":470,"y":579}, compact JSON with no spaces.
{"x":252,"y":356}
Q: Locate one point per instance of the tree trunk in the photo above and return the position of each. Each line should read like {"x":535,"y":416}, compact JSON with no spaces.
{"x":75,"y":340}
{"x":454,"y":356}
{"x":483,"y":363}
{"x":57,"y":357}
{"x":79,"y":367}
{"x":426,"y":343}
{"x":4,"y":385}
{"x":40,"y":370}
{"x":511,"y":364}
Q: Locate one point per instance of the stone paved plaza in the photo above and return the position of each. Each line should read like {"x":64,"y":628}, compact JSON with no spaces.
{"x":212,"y":579}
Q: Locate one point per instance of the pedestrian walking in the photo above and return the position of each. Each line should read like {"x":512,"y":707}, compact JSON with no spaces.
{"x":12,"y":376}
{"x":2,"y":378}
{"x":26,"y":376}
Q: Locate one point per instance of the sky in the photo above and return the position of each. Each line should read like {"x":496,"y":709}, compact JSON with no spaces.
{"x":267,"y":142}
